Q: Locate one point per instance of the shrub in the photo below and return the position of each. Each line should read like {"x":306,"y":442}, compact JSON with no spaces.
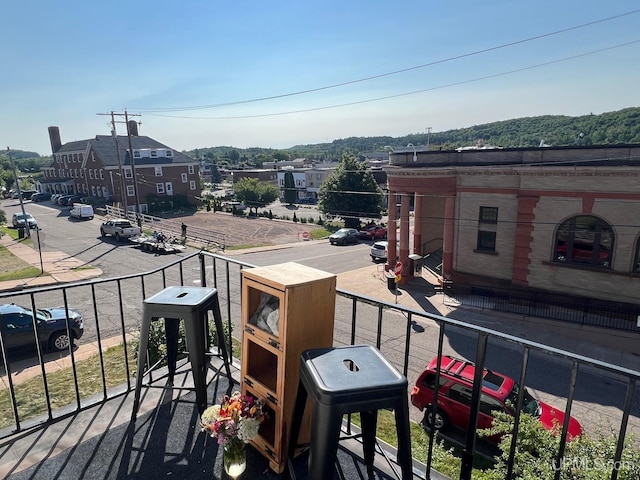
{"x":158,"y":344}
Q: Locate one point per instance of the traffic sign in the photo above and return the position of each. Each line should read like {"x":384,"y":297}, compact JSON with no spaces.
{"x":398,"y":269}
{"x":305,"y":235}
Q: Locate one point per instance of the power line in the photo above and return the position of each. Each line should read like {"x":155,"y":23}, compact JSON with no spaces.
{"x":395,"y":72}
{"x":388,"y":97}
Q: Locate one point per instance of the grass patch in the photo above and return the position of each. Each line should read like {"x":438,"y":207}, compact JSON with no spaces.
{"x":319,"y":233}
{"x":244,"y":247}
{"x":30,"y":395}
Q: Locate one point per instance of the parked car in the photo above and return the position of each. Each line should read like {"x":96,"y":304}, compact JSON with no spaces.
{"x":344,"y":236}
{"x":373,"y":232}
{"x":16,"y":323}
{"x":54,"y":197}
{"x":70,"y":200}
{"x":120,"y":229}
{"x":499,"y":393}
{"x":19,"y":219}
{"x":230,"y":206}
{"x":62,"y":199}
{"x":379,"y":251}
{"x":40,"y":197}
{"x":81,"y":211}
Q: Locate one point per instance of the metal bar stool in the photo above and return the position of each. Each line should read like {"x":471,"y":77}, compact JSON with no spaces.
{"x":190,"y":304}
{"x":345,"y":380}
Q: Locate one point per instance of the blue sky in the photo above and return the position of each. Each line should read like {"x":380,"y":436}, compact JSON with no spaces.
{"x":66,"y":61}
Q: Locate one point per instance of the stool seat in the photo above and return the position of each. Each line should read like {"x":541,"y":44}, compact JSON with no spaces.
{"x":191,"y":304}
{"x":344,"y":380}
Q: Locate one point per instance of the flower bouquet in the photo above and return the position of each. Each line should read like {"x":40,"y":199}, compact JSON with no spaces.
{"x":234,"y":423}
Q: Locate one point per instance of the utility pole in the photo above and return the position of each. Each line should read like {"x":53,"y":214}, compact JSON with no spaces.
{"x":15,"y":179}
{"x":123,"y":191}
{"x":123,"y":186}
{"x":133,"y":168}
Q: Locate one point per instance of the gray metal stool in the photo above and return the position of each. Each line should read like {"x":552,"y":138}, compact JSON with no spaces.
{"x":190,"y":304}
{"x":345,"y":380}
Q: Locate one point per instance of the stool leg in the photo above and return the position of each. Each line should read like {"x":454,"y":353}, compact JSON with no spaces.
{"x":222,"y":341}
{"x":325,"y":434}
{"x":197,"y":358}
{"x":142,"y":359}
{"x":171,"y":328}
{"x":404,"y":437}
{"x":369,"y":424}
{"x":296,"y":418}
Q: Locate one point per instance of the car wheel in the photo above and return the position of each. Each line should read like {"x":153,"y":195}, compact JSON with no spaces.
{"x":59,"y":341}
{"x":439,"y":421}
{"x":102,"y":233}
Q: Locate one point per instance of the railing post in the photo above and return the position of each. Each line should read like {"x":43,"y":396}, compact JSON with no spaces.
{"x":474,"y":409}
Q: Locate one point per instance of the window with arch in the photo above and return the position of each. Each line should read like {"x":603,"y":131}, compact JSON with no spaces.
{"x":584,"y":240}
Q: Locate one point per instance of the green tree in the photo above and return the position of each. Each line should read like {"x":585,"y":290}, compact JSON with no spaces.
{"x":289,"y":188}
{"x":351,"y":192}
{"x":234,"y":156}
{"x":215,"y":174}
{"x":255,"y":194}
{"x":281,"y":156}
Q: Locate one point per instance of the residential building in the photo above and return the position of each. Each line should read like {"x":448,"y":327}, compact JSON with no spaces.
{"x":103,"y":170}
{"x":555,"y":219}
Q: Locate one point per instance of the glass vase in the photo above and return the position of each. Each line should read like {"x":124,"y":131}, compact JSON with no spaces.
{"x":235,"y":457}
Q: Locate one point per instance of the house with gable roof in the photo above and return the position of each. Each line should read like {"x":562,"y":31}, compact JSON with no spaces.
{"x":103,"y":170}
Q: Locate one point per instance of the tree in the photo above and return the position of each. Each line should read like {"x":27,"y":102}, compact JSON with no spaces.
{"x":289,"y":188}
{"x":351,"y":192}
{"x":255,"y":194}
{"x":216,"y":177}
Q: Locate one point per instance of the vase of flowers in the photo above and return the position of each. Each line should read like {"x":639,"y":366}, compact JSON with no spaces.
{"x":234,"y":423}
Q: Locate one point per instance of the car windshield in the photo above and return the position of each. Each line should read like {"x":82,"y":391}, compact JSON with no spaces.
{"x":529,"y":404}
{"x":40,"y":314}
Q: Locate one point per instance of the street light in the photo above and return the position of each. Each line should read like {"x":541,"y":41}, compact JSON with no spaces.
{"x":415,"y":155}
{"x":428,"y":132}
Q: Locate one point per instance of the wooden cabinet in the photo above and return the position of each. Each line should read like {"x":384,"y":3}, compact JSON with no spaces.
{"x":286,"y":309}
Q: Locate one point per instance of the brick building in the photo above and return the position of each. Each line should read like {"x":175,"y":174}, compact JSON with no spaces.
{"x":557,"y":219}
{"x":103,"y":170}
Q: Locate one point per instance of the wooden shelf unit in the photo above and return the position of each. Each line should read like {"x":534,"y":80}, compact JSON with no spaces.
{"x":305,"y":301}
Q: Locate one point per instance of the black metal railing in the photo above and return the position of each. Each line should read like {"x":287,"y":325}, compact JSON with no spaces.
{"x":407,"y":337}
{"x":571,"y":309}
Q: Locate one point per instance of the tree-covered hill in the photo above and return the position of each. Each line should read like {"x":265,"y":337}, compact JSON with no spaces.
{"x":619,"y":127}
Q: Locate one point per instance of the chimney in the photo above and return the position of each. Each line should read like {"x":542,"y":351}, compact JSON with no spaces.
{"x":133,"y":128}
{"x":54,"y":139}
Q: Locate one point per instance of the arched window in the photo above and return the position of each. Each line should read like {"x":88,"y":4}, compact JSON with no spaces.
{"x":584,"y":240}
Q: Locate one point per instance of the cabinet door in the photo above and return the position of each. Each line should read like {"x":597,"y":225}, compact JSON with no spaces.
{"x":269,"y":441}
{"x":262,"y":368}
{"x":262,"y":312}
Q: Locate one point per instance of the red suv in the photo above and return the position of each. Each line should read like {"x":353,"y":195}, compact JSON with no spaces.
{"x":499,"y":392}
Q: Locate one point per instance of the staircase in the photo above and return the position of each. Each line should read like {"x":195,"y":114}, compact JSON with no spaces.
{"x":433,"y":262}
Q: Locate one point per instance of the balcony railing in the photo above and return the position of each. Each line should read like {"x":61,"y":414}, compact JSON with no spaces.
{"x":408,"y":338}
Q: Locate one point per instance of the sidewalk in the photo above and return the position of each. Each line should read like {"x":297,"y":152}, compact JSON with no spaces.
{"x":612,"y":346}
{"x":58,"y":266}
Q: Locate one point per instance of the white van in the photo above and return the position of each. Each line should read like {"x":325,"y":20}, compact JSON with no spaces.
{"x":80,"y":211}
